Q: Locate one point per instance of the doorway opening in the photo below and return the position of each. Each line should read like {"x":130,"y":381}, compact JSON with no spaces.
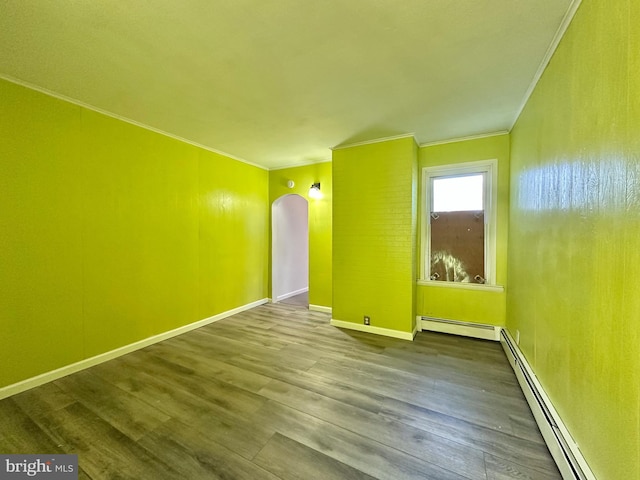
{"x":290,"y":250}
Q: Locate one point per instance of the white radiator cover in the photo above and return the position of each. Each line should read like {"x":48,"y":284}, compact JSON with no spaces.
{"x":456,"y":327}
{"x":564,"y":450}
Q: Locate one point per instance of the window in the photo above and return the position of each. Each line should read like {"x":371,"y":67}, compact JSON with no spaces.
{"x":458,"y":223}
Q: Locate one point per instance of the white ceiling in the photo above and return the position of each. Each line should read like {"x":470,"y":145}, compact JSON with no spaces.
{"x":280,"y":82}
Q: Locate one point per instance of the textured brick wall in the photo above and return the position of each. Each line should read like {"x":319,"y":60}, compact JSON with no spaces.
{"x":374,"y":213}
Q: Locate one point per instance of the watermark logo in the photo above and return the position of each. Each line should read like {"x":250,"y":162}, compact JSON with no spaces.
{"x":49,"y":467}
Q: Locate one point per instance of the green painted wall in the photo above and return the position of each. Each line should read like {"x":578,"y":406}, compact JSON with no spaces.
{"x":574,"y":239}
{"x":374,"y":240}
{"x":320,"y":290}
{"x":110,"y":233}
{"x":461,"y":304}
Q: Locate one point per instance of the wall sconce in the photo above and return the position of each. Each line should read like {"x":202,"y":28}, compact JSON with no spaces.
{"x":291,"y":184}
{"x":314,"y":191}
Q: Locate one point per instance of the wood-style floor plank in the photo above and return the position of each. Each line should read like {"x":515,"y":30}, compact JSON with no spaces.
{"x":360,"y":452}
{"x":310,"y":465}
{"x":459,"y":458}
{"x":120,"y":409}
{"x":233,"y":431}
{"x":278,"y":393}
{"x":192,"y":452}
{"x":501,"y":469}
{"x":103,"y":451}
{"x":502,"y":444}
{"x":19,"y":433}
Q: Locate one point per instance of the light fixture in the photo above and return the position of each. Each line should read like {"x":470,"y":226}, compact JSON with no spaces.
{"x":291,"y":184}
{"x":314,"y":191}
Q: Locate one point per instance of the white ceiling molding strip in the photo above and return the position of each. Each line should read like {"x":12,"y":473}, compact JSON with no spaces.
{"x":564,"y":25}
{"x":377,"y":140}
{"x":73,"y":101}
{"x":272,"y":169}
{"x":462,"y":139}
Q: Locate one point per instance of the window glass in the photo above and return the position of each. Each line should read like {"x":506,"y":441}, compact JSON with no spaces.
{"x":457,"y":246}
{"x":458,"y":194}
{"x":459,"y":221}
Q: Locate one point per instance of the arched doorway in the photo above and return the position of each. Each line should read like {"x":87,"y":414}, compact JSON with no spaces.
{"x":290,"y":249}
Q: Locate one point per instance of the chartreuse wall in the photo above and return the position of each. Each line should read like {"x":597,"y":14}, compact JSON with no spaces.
{"x":374,"y":241}
{"x":110,"y":233}
{"x":574,"y":240}
{"x":319,"y":223}
{"x":474,"y":303}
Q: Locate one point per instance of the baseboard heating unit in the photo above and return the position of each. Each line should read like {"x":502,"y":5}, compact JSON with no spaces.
{"x":456,"y":327}
{"x":564,"y":450}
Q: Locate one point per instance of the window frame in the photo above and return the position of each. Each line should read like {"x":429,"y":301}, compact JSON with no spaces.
{"x":489,"y":168}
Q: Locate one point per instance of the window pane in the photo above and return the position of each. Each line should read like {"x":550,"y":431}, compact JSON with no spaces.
{"x":456,"y":194}
{"x":457,"y":247}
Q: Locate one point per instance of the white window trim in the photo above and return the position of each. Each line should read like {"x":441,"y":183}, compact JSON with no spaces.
{"x":490,"y":168}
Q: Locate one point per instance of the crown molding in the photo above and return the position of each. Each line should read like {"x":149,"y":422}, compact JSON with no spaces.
{"x":564,"y":25}
{"x":462,"y":139}
{"x":107,"y":113}
{"x":273,"y":169}
{"x":377,"y":140}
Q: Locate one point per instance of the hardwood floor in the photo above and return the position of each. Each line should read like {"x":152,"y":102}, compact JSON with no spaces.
{"x":277,"y":393}
{"x":302,"y":300}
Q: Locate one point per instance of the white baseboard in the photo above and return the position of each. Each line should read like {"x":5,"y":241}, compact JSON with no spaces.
{"x":291,"y":294}
{"x":455,"y":327}
{"x":320,"y":308}
{"x":417,"y":328}
{"x":563,"y":448}
{"x":46,"y":377}
{"x":387,"y":332}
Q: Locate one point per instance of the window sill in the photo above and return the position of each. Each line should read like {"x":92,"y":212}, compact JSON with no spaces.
{"x":461,"y":285}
